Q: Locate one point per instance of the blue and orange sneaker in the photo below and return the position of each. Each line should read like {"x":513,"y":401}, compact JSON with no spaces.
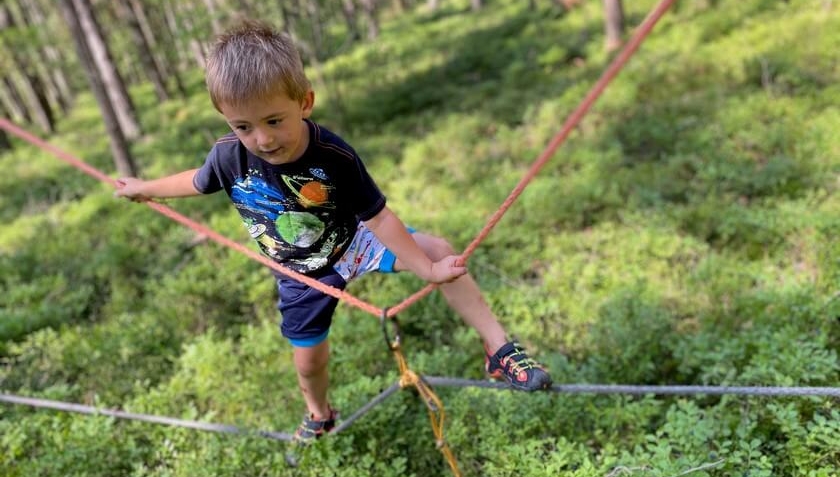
{"x":512,"y":364}
{"x":311,"y":429}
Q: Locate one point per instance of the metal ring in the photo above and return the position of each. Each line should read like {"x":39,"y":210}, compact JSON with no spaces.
{"x":393,"y":344}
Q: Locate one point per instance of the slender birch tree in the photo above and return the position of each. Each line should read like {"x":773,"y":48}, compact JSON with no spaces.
{"x":102,"y":60}
{"x":123,"y":161}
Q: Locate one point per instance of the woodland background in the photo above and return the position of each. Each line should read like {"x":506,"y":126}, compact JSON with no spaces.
{"x":686,"y":233}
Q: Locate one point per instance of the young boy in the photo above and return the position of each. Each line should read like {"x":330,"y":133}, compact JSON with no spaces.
{"x":308,"y":201}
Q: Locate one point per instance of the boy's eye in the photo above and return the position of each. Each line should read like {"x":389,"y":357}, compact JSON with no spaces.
{"x":274,"y":122}
{"x":241,"y":127}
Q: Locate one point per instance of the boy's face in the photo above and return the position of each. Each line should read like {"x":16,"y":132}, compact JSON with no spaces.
{"x":272,"y":128}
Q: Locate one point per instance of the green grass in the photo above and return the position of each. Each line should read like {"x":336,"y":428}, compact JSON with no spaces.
{"x":684,"y":234}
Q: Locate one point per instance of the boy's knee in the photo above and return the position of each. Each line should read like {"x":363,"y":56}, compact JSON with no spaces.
{"x":311,"y":366}
{"x":311,"y":361}
{"x":437,"y":248}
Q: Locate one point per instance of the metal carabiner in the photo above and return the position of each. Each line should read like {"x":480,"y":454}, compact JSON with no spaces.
{"x":393,"y":344}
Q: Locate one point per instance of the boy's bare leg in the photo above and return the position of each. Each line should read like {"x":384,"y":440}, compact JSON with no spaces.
{"x":313,"y":377}
{"x":463,"y":295}
{"x":504,"y":360}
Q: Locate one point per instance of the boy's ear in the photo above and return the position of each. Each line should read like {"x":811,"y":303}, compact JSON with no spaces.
{"x":307,"y":104}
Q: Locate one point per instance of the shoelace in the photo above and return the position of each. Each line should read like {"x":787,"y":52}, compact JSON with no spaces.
{"x":314,"y":426}
{"x":518,"y":361}
{"x":317,"y":425}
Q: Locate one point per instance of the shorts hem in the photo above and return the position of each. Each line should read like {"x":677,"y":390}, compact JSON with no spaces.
{"x":386,"y":263}
{"x":309,"y":342}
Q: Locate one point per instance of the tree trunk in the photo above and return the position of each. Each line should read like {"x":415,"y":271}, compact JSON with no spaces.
{"x":12,"y":102}
{"x":30,"y":85}
{"x":348,"y":11}
{"x":432,"y":5}
{"x":213,"y":13}
{"x":143,"y":22}
{"x":290,"y":18}
{"x":173,"y":53}
{"x":51,"y":61}
{"x":314,"y":16}
{"x":113,"y":82}
{"x":172,"y":30}
{"x":36,"y":57}
{"x":370,"y":13}
{"x":119,"y":146}
{"x":476,"y":4}
{"x":160,"y":59}
{"x":614,"y":24}
{"x":35,"y":98}
{"x":144,"y":51}
{"x":5,"y":143}
{"x":196,"y":47}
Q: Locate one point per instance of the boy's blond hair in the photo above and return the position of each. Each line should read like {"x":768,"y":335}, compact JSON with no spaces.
{"x":254,"y":61}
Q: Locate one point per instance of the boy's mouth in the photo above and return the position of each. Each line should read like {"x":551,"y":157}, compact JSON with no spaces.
{"x":271,"y":152}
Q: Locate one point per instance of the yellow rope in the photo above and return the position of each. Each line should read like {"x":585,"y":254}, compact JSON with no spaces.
{"x":437,"y":415}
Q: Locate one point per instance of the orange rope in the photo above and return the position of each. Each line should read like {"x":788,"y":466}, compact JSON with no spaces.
{"x":571,"y":122}
{"x":437,"y":414}
{"x":172,"y":214}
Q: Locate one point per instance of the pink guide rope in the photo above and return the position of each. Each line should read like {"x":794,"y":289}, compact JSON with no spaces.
{"x":571,"y":122}
{"x":76,"y":162}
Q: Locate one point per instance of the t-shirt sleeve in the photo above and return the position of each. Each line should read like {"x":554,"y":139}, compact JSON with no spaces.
{"x":366,"y":199}
{"x":208,"y":178}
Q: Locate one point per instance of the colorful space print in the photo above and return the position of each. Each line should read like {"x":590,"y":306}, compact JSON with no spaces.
{"x":268,"y":244}
{"x":300,"y":229}
{"x":309,"y":194}
{"x":288,"y":221}
{"x":255,"y":195}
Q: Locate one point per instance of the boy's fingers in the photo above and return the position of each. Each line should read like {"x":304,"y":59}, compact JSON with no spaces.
{"x":457,"y":275}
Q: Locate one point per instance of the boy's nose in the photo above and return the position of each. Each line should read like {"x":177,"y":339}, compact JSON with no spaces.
{"x":264,"y":140}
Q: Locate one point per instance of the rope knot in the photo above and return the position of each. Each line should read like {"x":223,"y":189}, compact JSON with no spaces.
{"x":409,"y":378}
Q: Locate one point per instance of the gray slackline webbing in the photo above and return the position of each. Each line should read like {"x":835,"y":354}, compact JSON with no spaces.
{"x":436,"y":381}
{"x":650,"y":389}
{"x":203,"y":426}
{"x":367,"y":407}
{"x":78,"y":408}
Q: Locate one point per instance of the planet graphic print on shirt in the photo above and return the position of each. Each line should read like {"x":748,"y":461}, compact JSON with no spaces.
{"x":288,"y":214}
{"x":300,"y":229}
{"x":309,"y":194}
{"x":257,"y":232}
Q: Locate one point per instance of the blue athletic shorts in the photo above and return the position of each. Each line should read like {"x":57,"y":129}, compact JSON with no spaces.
{"x":306,"y":312}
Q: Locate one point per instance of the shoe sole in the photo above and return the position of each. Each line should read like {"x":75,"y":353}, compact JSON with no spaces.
{"x":501,"y":377}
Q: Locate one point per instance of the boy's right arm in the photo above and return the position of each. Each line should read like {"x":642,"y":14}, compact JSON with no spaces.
{"x":176,"y":185}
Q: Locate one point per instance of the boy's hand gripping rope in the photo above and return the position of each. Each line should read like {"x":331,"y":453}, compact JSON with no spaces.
{"x":437,"y":414}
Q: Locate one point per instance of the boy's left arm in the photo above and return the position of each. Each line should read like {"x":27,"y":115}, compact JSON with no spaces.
{"x":391,"y":231}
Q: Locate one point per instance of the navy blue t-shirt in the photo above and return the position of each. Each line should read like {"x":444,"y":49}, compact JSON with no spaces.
{"x":302,"y":214}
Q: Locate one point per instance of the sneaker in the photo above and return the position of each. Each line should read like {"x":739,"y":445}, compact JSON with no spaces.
{"x":512,"y":364}
{"x":311,"y":429}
